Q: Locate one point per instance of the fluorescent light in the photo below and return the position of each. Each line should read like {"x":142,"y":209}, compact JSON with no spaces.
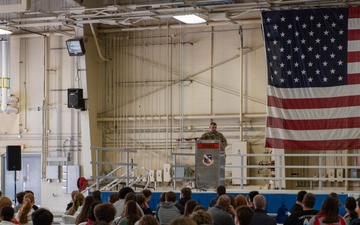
{"x":3,"y":31}
{"x":190,"y":19}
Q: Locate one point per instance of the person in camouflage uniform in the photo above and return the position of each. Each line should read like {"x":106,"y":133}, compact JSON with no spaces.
{"x":214,"y":135}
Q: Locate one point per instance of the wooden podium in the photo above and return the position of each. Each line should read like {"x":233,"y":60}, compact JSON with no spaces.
{"x":209,"y":164}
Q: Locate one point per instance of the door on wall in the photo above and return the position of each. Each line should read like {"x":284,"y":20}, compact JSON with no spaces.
{"x":29,"y":178}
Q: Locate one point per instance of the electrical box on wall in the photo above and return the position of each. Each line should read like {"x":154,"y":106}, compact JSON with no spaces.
{"x":152,"y":175}
{"x":340,"y":174}
{"x":159,"y":177}
{"x":167,"y":172}
{"x":53,"y":172}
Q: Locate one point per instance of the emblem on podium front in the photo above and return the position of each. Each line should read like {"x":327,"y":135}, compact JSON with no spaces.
{"x":208,"y":160}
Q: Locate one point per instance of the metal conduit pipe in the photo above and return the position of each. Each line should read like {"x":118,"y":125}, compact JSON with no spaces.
{"x":233,"y":116}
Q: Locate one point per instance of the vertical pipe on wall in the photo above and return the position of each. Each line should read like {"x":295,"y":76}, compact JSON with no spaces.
{"x":4,"y":72}
{"x":211,"y":71}
{"x":45,"y":125}
{"x":241,"y":60}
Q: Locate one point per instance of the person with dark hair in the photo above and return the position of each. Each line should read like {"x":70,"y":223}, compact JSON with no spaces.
{"x":220,"y":190}
{"x":358,"y":205}
{"x":329,"y":213}
{"x":260,"y":216}
{"x":182,"y":221}
{"x":97,"y":195}
{"x":298,"y":204}
{"x":113,"y":198}
{"x":85,"y":210}
{"x":105,"y":212}
{"x":342,"y":210}
{"x":148,"y":220}
{"x":202,"y":217}
{"x":250,"y":198}
{"x":131,"y":214}
{"x":213,"y":134}
{"x":131,"y":196}
{"x":244,"y":215}
{"x":42,"y":217}
{"x":167,"y":210}
{"x":92,"y":218}
{"x":350,"y":206}
{"x":141,"y":200}
{"x":19,"y":199}
{"x":147,"y":193}
{"x":308,"y":212}
{"x":7,"y":215}
{"x":119,"y":205}
{"x":189,"y":207}
{"x":185,"y":195}
{"x":222,"y":211}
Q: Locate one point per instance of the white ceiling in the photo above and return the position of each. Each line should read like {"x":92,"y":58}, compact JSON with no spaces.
{"x":44,"y":15}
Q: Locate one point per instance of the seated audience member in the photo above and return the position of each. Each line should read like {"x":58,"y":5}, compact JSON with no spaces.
{"x":19,"y":199}
{"x":198,"y":208}
{"x":260,"y":216}
{"x":329,"y":213}
{"x":185,"y":195}
{"x":92,"y":218}
{"x":222,"y":211}
{"x":73,"y":193}
{"x":240,"y":200}
{"x":5,"y":201}
{"x":308,"y":212}
{"x":148,"y":220}
{"x":42,"y":217}
{"x":202,"y":217}
{"x":78,"y":201}
{"x":119,"y":205}
{"x":131,"y":214}
{"x":24,"y":214}
{"x":342,"y":210}
{"x":350,"y":206}
{"x":244,"y":215}
{"x":35,"y":207}
{"x":167,"y":210}
{"x":147,"y":194}
{"x":355,"y":222}
{"x":85,"y":210}
{"x":182,"y":221}
{"x":189,"y":207}
{"x":97,"y":195}
{"x":7,"y":215}
{"x":220,"y":190}
{"x":113,"y":198}
{"x":141,"y":200}
{"x":105,"y":212}
{"x":132,"y":196}
{"x":298,"y":204}
{"x":250,"y":198}
{"x":358,"y":206}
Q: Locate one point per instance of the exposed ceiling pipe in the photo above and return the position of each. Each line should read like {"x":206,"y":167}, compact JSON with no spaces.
{"x":178,"y":26}
{"x":97,"y":44}
{"x":131,"y":118}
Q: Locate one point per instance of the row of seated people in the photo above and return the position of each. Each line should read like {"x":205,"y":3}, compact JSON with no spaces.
{"x":130,"y":208}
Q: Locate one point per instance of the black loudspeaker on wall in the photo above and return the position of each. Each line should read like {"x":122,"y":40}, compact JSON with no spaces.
{"x":75,"y":98}
{"x":13,"y":157}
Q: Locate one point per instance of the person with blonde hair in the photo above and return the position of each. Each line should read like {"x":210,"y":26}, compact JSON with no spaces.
{"x":148,"y":220}
{"x":78,"y":201}
{"x":24,"y":214}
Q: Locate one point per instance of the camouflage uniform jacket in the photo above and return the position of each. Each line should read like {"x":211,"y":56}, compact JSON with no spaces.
{"x":217,"y":136}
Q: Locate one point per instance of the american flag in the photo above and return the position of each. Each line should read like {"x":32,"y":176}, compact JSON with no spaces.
{"x":313,"y":63}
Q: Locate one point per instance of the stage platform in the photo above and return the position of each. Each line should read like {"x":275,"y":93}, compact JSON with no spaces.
{"x":274,"y":198}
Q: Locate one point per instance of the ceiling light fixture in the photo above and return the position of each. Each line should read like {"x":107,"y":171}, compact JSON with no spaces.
{"x":190,"y":19}
{"x":3,"y":31}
